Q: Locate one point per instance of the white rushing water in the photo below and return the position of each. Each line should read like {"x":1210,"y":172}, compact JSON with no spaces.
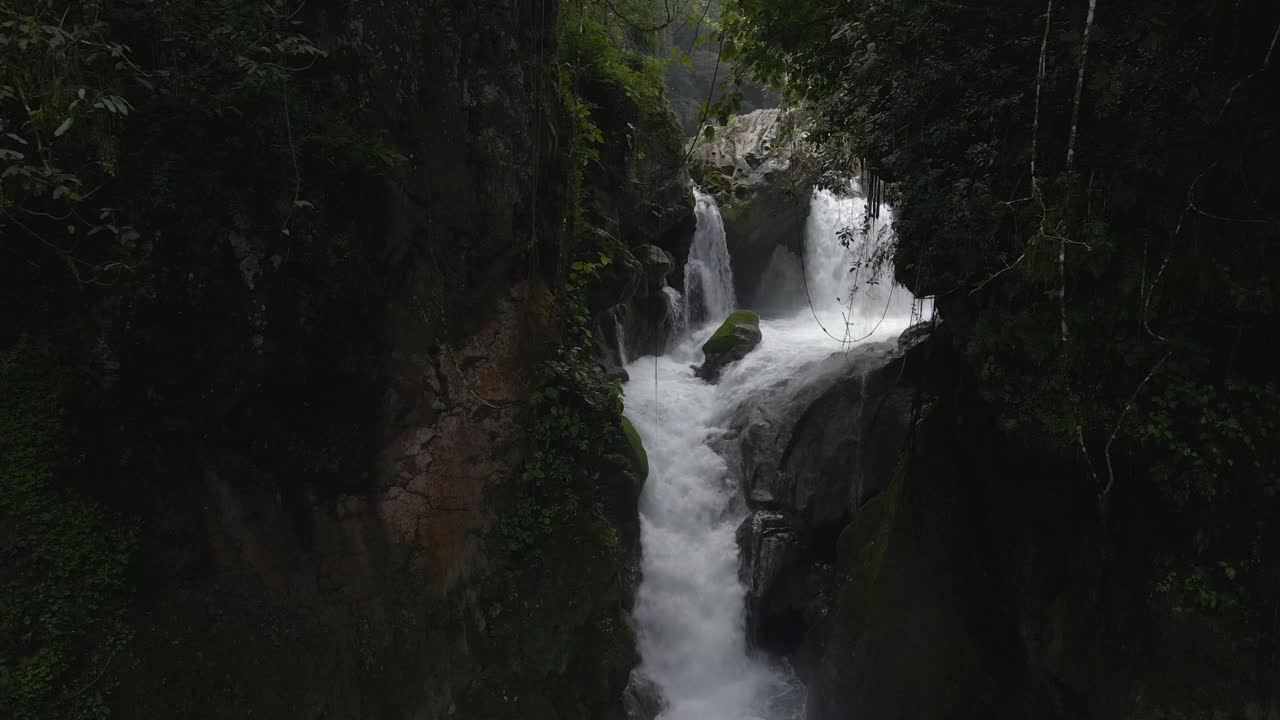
{"x":690,"y":614}
{"x":708,"y":278}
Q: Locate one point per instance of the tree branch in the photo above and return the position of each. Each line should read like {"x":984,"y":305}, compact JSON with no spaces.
{"x":1111,"y":476}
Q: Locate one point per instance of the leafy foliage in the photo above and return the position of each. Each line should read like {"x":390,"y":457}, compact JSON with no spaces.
{"x":65,"y":559}
{"x":1115,"y":276}
{"x":140,"y":144}
{"x":71,"y":89}
{"x":575,"y":429}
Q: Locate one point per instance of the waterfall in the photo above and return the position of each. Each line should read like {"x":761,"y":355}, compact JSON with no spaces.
{"x":782,"y":290}
{"x":690,"y":612}
{"x":849,"y":278}
{"x":620,"y":332}
{"x":708,"y":278}
{"x":677,"y":318}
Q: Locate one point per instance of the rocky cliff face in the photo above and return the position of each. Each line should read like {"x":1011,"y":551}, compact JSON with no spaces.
{"x":325,"y":434}
{"x":645,"y":209}
{"x":355,"y":442}
{"x":916,"y":559}
{"x":762,"y":173}
{"x":810,"y":453}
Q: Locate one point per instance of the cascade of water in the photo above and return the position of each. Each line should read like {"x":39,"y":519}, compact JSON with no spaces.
{"x":690,"y":615}
{"x":620,"y":332}
{"x":850,"y":282}
{"x":677,"y":320}
{"x":781,"y":292}
{"x":708,"y":277}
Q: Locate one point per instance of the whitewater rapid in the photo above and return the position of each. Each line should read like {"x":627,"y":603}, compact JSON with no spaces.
{"x":690,"y":611}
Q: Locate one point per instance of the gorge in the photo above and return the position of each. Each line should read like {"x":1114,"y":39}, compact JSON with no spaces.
{"x":690,"y":624}
{"x":417,"y":360}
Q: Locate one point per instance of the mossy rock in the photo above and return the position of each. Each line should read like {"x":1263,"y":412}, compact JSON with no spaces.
{"x":905,"y":636}
{"x":616,"y":281}
{"x":738,"y":335}
{"x":637,"y":458}
{"x":657,"y":263}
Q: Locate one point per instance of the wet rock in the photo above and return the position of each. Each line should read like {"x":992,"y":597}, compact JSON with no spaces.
{"x":799,"y":445}
{"x":609,"y":340}
{"x":616,"y":281}
{"x":738,"y":335}
{"x":770,"y":543}
{"x":753,"y":151}
{"x":812,"y":450}
{"x":636,"y":455}
{"x":915,"y":335}
{"x":657,"y":264}
{"x":787,"y":590}
{"x":642,"y":699}
{"x":762,"y":173}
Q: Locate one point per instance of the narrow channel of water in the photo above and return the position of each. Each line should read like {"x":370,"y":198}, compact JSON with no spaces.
{"x":690,"y":613}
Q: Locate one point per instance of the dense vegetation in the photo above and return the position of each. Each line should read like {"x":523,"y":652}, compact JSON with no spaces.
{"x":208,"y":214}
{"x":207,"y":208}
{"x":1088,"y":191}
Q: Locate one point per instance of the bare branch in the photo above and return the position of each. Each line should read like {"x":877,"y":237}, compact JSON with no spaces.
{"x":1084,"y":450}
{"x":998,"y":273}
{"x":1071,"y":157}
{"x":1111,"y":476}
{"x":1075,"y":108}
{"x":1040,"y":73}
{"x":1265,"y":62}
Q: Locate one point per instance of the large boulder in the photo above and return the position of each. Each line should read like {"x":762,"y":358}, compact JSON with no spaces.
{"x":657,"y":264}
{"x":812,"y":450}
{"x":642,"y":699}
{"x":786,"y":593}
{"x":646,"y":322}
{"x":637,"y":458}
{"x":753,"y":151}
{"x":738,"y":335}
{"x":762,"y":173}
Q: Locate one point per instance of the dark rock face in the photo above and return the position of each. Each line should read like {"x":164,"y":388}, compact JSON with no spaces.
{"x":642,"y":700}
{"x":810,"y":453}
{"x":922,"y":624}
{"x":970,"y":576}
{"x":647,"y":320}
{"x":648,"y":206}
{"x":738,"y":335}
{"x":657,"y":264}
{"x":788,"y":591}
{"x":317,"y":429}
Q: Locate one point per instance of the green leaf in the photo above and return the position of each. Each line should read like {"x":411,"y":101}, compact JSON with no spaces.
{"x":65,"y":126}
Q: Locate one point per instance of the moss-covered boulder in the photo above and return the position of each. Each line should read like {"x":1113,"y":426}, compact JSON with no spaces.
{"x":738,"y":335}
{"x":637,"y":458}
{"x":900,"y":638}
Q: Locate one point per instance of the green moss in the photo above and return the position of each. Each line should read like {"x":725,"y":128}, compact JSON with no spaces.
{"x":726,"y":337}
{"x":861,"y":550}
{"x":65,"y":559}
{"x":636,"y":456}
{"x":896,"y":627}
{"x":554,"y":643}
